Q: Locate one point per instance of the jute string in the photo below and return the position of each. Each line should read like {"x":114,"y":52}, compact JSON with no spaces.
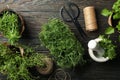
{"x":90,"y":18}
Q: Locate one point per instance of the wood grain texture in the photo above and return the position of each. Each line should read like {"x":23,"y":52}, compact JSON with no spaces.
{"x":37,"y":12}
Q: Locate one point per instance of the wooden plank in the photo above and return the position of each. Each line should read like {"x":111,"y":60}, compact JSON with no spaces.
{"x":49,"y":5}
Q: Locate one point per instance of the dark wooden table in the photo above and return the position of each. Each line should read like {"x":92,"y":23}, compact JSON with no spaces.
{"x":37,"y":12}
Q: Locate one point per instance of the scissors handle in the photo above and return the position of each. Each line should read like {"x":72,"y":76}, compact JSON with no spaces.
{"x":73,"y":11}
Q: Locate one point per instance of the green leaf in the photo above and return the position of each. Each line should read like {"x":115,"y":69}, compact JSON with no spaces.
{"x":106,"y":12}
{"x":116,"y":6}
{"x":109,"y":30}
{"x":116,"y":16}
{"x":118,"y":26}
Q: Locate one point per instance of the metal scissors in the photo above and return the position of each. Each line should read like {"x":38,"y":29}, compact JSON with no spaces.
{"x":70,"y":13}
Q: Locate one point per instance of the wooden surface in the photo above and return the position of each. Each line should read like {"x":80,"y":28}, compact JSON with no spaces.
{"x":37,"y":12}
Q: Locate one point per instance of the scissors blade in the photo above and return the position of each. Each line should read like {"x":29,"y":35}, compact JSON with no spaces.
{"x":81,"y":31}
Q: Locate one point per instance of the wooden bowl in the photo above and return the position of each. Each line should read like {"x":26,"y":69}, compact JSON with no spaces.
{"x":20,"y":18}
{"x":110,"y":20}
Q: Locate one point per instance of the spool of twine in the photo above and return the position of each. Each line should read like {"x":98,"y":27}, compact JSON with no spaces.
{"x":90,"y":18}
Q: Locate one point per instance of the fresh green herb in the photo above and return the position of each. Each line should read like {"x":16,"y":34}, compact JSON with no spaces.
{"x":16,"y":66}
{"x":9,"y":26}
{"x":106,"y":12}
{"x":64,"y":47}
{"x":118,"y":26}
{"x":116,"y":10}
{"x":108,"y":46}
{"x":115,"y":14}
{"x":109,"y":30}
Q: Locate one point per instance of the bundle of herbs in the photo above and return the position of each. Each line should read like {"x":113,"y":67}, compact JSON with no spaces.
{"x":9,"y":26}
{"x":66,"y":50}
{"x":15,"y":66}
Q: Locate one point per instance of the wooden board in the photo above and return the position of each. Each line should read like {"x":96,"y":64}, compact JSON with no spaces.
{"x":37,"y":12}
